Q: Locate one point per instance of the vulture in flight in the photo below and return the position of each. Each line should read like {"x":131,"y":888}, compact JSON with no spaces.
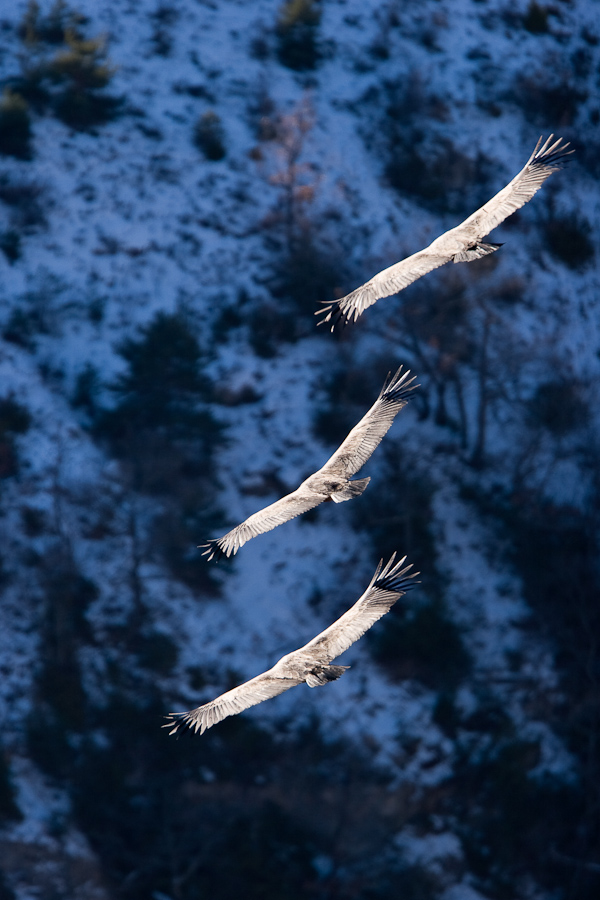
{"x":311,"y":663}
{"x":332,"y":481}
{"x":461,"y":244}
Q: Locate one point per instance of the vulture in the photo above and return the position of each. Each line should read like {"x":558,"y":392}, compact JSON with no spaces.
{"x":461,"y":244}
{"x":311,"y":663}
{"x":332,"y":481}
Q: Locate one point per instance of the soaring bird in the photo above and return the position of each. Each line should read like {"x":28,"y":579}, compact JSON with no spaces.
{"x":332,"y":481}
{"x":311,"y":663}
{"x":461,"y":244}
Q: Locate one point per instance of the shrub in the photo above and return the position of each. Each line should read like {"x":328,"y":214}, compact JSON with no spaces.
{"x":348,"y":390}
{"x":536,"y":19}
{"x":24,"y":199}
{"x":555,"y":550}
{"x":19,"y":328}
{"x":417,"y":160}
{"x":15,"y":126}
{"x":209,"y":136}
{"x":273,"y":857}
{"x":156,"y":651}
{"x":34,"y":521}
{"x":308,"y":272}
{"x":10,"y":244}
{"x":68,"y":595}
{"x":163,"y":385}
{"x":8,"y":804}
{"x":163,"y":430}
{"x":439,"y":177}
{"x":240,"y":802}
{"x":396,"y":509}
{"x":86,"y":391}
{"x":70,"y":79}
{"x":568,"y":238}
{"x":395,"y":514}
{"x":162,"y":18}
{"x":34,"y":313}
{"x":81,"y":71}
{"x":31,"y":85}
{"x":296,"y":31}
{"x":508,"y":291}
{"x":548,"y":103}
{"x":508,"y":817}
{"x":35,"y":28}
{"x":60,"y":702}
{"x":14,"y":419}
{"x":424,"y":644}
{"x":178,"y":530}
{"x":48,"y":742}
{"x":269,"y":327}
{"x":558,"y":406}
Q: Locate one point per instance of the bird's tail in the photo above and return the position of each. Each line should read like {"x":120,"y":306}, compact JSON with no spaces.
{"x":480,"y":249}
{"x":351,"y":489}
{"x":324,"y":674}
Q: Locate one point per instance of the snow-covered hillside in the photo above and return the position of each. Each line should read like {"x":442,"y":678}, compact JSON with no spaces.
{"x":174,"y":203}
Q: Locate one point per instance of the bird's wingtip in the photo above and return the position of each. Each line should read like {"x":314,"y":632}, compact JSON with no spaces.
{"x":334,"y":315}
{"x":396,"y":576}
{"x":175,"y":721}
{"x":399,"y":385}
{"x":551,"y":155}
{"x":212,"y":550}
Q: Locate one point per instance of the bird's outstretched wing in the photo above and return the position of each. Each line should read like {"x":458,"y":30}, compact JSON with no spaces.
{"x":541,"y":164}
{"x":389,"y":281}
{"x":372,"y":428}
{"x":290,"y":506}
{"x":263,"y":687}
{"x":346,"y":461}
{"x":387,"y":584}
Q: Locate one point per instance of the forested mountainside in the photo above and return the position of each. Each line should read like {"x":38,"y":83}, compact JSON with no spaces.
{"x":181,"y":184}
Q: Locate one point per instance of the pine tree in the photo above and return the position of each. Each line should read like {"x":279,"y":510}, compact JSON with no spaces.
{"x":165,"y":434}
{"x":15,"y":126}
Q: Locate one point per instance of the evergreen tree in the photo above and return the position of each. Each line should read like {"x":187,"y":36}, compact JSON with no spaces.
{"x":82,"y":71}
{"x":15,"y":126}
{"x":165,"y":434}
{"x":297,"y":34}
{"x":163,"y":386}
{"x":63,"y":68}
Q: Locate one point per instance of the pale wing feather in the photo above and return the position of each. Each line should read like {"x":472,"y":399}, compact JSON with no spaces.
{"x":372,"y":428}
{"x":346,"y":461}
{"x":389,"y":281}
{"x":541,"y":164}
{"x":290,"y":506}
{"x":388,"y":584}
{"x":258,"y":689}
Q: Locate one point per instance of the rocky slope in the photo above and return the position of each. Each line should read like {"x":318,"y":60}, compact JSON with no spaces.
{"x":175,"y":198}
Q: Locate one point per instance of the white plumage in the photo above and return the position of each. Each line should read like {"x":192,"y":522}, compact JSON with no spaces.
{"x":332,"y":481}
{"x":310,"y":664}
{"x":461,"y":244}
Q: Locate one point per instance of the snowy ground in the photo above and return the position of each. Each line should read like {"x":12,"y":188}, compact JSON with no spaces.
{"x":137,"y":221}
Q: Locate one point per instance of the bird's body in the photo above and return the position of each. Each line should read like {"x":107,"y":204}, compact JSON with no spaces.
{"x":463,"y":243}
{"x":333,"y":480}
{"x":310,"y":664}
